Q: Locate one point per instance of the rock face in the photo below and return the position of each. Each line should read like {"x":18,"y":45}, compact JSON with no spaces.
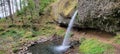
{"x":99,"y":14}
{"x":63,"y":10}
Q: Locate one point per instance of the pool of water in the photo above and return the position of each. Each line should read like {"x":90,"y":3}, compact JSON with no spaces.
{"x":45,"y":47}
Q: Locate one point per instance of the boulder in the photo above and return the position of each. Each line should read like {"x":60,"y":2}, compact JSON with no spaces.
{"x":99,"y":14}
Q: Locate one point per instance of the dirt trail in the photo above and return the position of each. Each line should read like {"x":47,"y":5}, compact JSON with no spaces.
{"x":102,"y":36}
{"x":117,"y":48}
{"x":99,"y":35}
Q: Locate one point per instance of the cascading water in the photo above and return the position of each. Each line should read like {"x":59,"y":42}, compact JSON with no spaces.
{"x":67,"y":35}
{"x":65,"y":45}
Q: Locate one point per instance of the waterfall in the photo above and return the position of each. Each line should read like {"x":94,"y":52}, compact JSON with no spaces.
{"x":67,"y":35}
{"x":65,"y":45}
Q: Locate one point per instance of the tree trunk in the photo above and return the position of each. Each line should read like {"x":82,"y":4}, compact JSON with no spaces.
{"x":16,"y":5}
{"x":10,"y":11}
{"x":2,"y":10}
{"x":5,"y":8}
{"x":20,"y":4}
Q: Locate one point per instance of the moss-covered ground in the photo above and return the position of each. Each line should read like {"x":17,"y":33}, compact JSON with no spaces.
{"x":93,"y":46}
{"x":12,"y":37}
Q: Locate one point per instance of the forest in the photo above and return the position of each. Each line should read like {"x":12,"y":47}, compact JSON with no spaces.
{"x":59,"y":26}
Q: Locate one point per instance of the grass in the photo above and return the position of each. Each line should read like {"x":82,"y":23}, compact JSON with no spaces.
{"x":13,"y":32}
{"x":12,"y":37}
{"x":2,"y":52}
{"x":91,"y":46}
{"x":117,"y":39}
{"x":17,"y":36}
{"x":2,"y":20}
{"x":50,"y":29}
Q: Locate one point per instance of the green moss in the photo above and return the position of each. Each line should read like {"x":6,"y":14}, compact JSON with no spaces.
{"x":2,"y":20}
{"x":92,"y":46}
{"x":50,"y":30}
{"x":14,"y":50}
{"x":13,"y":32}
{"x":2,"y":52}
{"x":46,"y":30}
{"x":60,"y":32}
{"x":44,"y":4}
{"x":2,"y":29}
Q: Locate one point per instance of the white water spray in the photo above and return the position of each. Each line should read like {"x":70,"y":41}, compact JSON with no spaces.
{"x":67,"y":35}
{"x":65,"y":45}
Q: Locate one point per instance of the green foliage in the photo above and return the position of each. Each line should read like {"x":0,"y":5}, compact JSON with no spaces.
{"x":49,"y":29}
{"x":15,"y":33}
{"x":31,"y":4}
{"x":95,"y":47}
{"x":20,"y":12}
{"x":2,"y":52}
{"x":46,"y":30}
{"x":14,"y":50}
{"x":28,"y":35}
{"x":24,"y":9}
{"x":44,"y":4}
{"x":60,"y":32}
{"x":2,"y":19}
{"x":2,"y":29}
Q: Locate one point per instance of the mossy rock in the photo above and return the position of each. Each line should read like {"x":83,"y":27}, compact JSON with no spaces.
{"x":64,"y":8}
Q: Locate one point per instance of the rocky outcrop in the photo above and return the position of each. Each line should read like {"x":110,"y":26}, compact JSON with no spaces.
{"x":99,"y":14}
{"x":63,"y":10}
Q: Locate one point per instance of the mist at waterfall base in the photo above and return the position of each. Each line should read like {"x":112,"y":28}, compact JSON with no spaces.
{"x":15,"y":5}
{"x":66,"y":41}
